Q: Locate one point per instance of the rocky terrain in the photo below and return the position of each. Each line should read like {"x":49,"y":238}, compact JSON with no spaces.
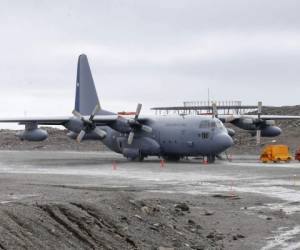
{"x":118,"y":223}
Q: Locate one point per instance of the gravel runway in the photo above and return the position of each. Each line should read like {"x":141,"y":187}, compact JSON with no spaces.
{"x":99,"y":200}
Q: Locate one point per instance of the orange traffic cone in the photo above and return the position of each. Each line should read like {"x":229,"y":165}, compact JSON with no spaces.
{"x":162,"y":163}
{"x":114,"y":165}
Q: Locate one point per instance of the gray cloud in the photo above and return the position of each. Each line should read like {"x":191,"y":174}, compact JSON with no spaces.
{"x":155,"y":52}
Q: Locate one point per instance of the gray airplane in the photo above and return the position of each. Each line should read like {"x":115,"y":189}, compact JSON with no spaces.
{"x":170,"y":137}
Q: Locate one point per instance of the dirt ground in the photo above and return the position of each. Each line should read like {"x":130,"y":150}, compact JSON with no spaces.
{"x":68,"y":200}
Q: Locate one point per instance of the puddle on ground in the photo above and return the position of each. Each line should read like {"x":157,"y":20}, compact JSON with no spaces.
{"x":15,"y":197}
{"x":287,"y":208}
{"x":284,"y":239}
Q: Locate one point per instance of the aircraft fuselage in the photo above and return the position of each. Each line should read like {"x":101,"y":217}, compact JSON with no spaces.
{"x":176,"y":136}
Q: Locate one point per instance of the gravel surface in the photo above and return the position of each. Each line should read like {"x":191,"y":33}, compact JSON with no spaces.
{"x":77,"y":200}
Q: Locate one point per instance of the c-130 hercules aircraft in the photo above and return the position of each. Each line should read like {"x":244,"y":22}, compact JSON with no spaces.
{"x":170,"y":137}
{"x":137,"y":137}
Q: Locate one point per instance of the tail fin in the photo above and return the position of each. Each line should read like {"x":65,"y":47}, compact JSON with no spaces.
{"x":86,"y":94}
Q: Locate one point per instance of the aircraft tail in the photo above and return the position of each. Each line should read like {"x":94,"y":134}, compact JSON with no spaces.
{"x":86,"y":94}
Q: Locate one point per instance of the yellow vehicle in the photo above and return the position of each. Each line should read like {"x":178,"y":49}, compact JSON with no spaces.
{"x":275,"y":153}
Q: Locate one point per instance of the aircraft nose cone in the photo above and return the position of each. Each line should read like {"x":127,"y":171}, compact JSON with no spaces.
{"x":224,"y":141}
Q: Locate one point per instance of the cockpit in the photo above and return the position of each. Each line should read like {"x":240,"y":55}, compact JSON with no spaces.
{"x":212,"y":123}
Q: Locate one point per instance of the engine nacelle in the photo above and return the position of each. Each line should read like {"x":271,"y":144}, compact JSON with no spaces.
{"x":36,"y":134}
{"x":131,"y":153}
{"x":270,"y":131}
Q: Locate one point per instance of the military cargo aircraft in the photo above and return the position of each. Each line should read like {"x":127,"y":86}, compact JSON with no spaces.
{"x":170,"y":137}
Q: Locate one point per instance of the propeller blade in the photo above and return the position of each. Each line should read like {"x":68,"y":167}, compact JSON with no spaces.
{"x":100,"y":132}
{"x":96,"y":109}
{"x":146,"y":128}
{"x":80,"y":136}
{"x":138,"y":111}
{"x":258,"y":137}
{"x":130,"y":137}
{"x":76,"y":113}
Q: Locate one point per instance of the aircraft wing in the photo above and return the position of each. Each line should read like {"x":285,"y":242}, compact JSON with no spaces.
{"x":231,"y":118}
{"x":58,"y":120}
{"x":275,"y":117}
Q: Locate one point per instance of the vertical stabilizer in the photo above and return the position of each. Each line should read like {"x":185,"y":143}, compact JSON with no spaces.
{"x":86,"y":94}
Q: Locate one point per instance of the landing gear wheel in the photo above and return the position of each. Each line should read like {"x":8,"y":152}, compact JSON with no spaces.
{"x":141,"y":158}
{"x":211,"y":158}
{"x":172,"y":158}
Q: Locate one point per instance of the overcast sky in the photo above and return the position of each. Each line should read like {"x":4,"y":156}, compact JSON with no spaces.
{"x":155,"y":52}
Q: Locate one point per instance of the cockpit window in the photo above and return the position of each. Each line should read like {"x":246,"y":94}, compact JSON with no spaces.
{"x":204,"y":124}
{"x":210,"y":124}
{"x":219,"y":124}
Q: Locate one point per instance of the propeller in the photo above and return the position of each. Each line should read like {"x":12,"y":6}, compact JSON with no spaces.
{"x":135,"y":124}
{"x":88,"y":124}
{"x":258,"y":132}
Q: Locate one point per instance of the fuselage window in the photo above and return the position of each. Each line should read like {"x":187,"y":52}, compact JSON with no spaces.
{"x":212,"y":124}
{"x":204,"y":135}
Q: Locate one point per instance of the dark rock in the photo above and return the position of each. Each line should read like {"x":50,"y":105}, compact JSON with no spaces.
{"x":154,"y":228}
{"x":191,"y":222}
{"x":123,"y":219}
{"x":238,"y":236}
{"x":211,"y":235}
{"x":182,"y":206}
{"x":198,"y":247}
{"x":208,"y":213}
{"x":227,"y":196}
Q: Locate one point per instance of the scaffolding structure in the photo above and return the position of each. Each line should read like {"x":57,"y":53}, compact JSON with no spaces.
{"x":205,"y":107}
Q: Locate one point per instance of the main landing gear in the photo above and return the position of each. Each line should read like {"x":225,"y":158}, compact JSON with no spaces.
{"x":172,"y":158}
{"x":211,"y":158}
{"x":139,"y":158}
